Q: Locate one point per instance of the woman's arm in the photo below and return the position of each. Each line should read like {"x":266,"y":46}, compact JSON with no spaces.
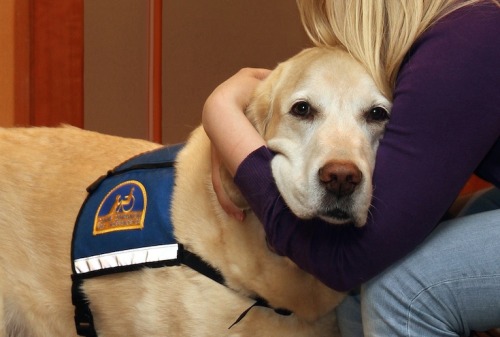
{"x":224,"y":120}
{"x":445,"y":120}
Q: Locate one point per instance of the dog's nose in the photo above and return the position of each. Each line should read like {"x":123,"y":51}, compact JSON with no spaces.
{"x":340,"y":177}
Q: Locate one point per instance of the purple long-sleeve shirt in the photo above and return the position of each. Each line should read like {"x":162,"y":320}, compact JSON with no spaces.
{"x":445,"y":124}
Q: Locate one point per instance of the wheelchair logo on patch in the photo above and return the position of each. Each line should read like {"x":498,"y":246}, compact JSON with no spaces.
{"x":123,"y":208}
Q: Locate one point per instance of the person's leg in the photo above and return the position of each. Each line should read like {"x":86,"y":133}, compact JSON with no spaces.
{"x":349,"y":316}
{"x":482,"y":201}
{"x":448,"y":286}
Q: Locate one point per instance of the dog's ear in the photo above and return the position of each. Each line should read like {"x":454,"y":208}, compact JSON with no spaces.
{"x":260,"y":114}
{"x":262,"y":108}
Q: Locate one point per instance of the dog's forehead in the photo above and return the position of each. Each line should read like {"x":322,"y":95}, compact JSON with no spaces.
{"x":336,"y":72}
{"x":329,"y":79}
{"x":326,"y":74}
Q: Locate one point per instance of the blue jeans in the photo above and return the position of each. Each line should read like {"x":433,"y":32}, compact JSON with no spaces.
{"x":448,"y":286}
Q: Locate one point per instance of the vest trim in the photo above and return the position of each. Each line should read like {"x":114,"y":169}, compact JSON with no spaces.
{"x":126,"y":258}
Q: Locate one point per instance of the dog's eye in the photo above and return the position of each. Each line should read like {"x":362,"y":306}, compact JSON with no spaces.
{"x":302,"y":109}
{"x":377,"y":114}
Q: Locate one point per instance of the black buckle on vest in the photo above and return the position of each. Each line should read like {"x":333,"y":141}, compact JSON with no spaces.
{"x":84,"y":322}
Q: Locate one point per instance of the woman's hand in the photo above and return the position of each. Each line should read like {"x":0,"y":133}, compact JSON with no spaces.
{"x":226,"y":203}
{"x":233,"y":136}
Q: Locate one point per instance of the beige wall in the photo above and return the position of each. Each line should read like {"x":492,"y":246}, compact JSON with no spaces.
{"x":7,"y":62}
{"x":116,"y":67}
{"x":204,"y":42}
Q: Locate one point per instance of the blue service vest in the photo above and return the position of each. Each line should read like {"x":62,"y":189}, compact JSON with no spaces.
{"x":125,"y":221}
{"x":125,"y":225}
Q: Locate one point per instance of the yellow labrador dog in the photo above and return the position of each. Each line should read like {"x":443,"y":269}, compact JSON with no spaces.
{"x":321,"y":113}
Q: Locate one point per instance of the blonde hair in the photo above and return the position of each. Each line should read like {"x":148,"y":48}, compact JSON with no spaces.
{"x":378,"y":33}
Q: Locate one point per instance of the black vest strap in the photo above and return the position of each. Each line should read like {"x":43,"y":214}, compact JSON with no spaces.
{"x":196,"y":263}
{"x":84,"y":321}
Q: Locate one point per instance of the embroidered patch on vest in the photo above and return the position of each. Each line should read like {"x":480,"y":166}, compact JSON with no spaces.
{"x":123,"y":208}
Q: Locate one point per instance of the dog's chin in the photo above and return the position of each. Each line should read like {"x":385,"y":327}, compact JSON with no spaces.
{"x":338,"y":216}
{"x":333,"y":214}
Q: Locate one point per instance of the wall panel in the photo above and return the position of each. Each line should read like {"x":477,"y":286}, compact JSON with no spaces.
{"x":116,"y":67}
{"x":205,"y":42}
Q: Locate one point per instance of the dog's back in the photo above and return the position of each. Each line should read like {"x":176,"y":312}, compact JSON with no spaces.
{"x":44,"y":173}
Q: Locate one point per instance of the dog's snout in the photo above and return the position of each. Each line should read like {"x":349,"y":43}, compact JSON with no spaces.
{"x":340,"y":178}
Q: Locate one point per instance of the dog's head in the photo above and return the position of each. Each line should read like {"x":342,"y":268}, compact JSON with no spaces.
{"x":323,"y":115}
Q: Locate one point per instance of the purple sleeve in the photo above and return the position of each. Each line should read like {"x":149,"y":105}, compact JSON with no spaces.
{"x":445,"y":123}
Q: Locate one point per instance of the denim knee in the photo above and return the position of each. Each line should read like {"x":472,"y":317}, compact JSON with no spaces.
{"x":392,"y":306}
{"x":446,"y":287}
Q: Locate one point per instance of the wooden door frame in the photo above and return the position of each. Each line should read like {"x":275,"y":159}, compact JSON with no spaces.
{"x":48,"y":71}
{"x":155,"y":70}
